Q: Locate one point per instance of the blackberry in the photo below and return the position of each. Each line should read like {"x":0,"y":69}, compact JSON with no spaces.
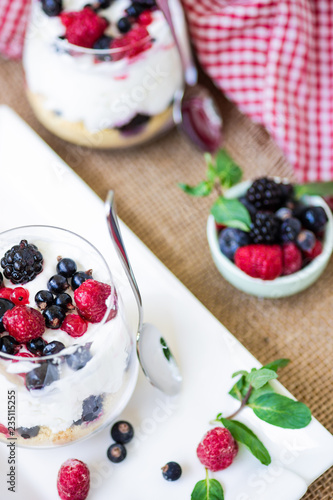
{"x":265,"y":228}
{"x":22,"y":263}
{"x":265,"y":194}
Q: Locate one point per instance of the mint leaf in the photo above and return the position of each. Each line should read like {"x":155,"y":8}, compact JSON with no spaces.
{"x":278,"y":363}
{"x":281,"y":411}
{"x":227,"y":171}
{"x":314,"y":188}
{"x":240,"y":389}
{"x":204,"y":188}
{"x":166,"y":350}
{"x":211,"y":172}
{"x":231,"y":213}
{"x":244,"y":435}
{"x":240,"y":372}
{"x":207,"y":489}
{"x":259,"y":378}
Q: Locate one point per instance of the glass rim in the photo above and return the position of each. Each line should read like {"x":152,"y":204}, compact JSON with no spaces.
{"x":64,"y":44}
{"x":15,"y":357}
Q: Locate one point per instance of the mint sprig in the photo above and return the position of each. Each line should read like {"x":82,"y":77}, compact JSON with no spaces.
{"x":253,"y":390}
{"x":207,"y":489}
{"x":221,"y":174}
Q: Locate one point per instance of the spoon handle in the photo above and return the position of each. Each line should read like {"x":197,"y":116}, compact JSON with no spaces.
{"x":117,"y":240}
{"x":174,"y":14}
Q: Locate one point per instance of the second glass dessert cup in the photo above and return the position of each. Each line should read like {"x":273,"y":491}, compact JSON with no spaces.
{"x":57,"y":397}
{"x":102,"y":98}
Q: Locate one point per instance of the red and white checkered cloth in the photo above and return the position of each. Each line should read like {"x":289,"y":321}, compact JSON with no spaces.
{"x":273,"y":58}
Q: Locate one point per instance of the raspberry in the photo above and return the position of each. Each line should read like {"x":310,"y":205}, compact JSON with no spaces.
{"x":20,"y":296}
{"x":74,"y":325}
{"x":133,"y":43}
{"x":5,"y":293}
{"x":145,"y":18}
{"x":317,"y":249}
{"x":90,"y":300}
{"x":217,"y":449}
{"x":292,"y":258}
{"x":260,"y":261}
{"x":73,"y":480}
{"x":24,"y":323}
{"x":83,"y":28}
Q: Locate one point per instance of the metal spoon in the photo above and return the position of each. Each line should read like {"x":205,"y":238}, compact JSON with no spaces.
{"x":156,"y":360}
{"x":195,"y":110}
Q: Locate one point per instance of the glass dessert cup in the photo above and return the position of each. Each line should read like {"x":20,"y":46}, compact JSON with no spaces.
{"x":106,"y":98}
{"x":50,"y":400}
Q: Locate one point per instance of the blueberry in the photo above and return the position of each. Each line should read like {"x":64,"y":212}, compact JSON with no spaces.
{"x":53,"y":348}
{"x":92,"y":408}
{"x":57,"y":284}
{"x":104,"y":4}
{"x":79,"y":278}
{"x":122,"y":432}
{"x":124,"y":25}
{"x":54,"y":317}
{"x":116,"y":453}
{"x":52,"y":8}
{"x":250,"y":208}
{"x":64,"y":301}
{"x":284,"y":213}
{"x":66,"y":267}
{"x":314,"y":219}
{"x":28,"y":432}
{"x":9,"y":345}
{"x":290,"y":229}
{"x":171,"y":471}
{"x":103,"y":43}
{"x":41,"y":376}
{"x":44,"y":299}
{"x":79,"y":358}
{"x":231,"y":239}
{"x":5,"y":305}
{"x":306,"y":240}
{"x":36,"y":346}
{"x":135,"y":9}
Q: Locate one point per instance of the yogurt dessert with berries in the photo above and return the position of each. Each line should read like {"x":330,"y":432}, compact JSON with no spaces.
{"x":102,"y":74}
{"x":65,"y":348}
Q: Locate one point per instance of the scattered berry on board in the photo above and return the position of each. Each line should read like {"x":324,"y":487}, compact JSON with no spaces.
{"x":217,"y":449}
{"x":171,"y":471}
{"x":73,"y":481}
{"x":116,"y":453}
{"x":122,"y":432}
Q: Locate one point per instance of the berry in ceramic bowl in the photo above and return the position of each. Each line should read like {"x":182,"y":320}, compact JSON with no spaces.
{"x":284,"y":245}
{"x":67,"y":355}
{"x":103,"y":74}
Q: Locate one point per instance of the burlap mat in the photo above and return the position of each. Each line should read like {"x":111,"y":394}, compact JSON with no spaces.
{"x":173,"y":226}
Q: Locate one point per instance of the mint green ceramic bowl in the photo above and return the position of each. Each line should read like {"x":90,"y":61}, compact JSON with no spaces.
{"x":283,"y":286}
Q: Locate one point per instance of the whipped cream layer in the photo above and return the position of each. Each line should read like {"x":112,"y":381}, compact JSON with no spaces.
{"x":103,"y":94}
{"x":58,"y":405}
